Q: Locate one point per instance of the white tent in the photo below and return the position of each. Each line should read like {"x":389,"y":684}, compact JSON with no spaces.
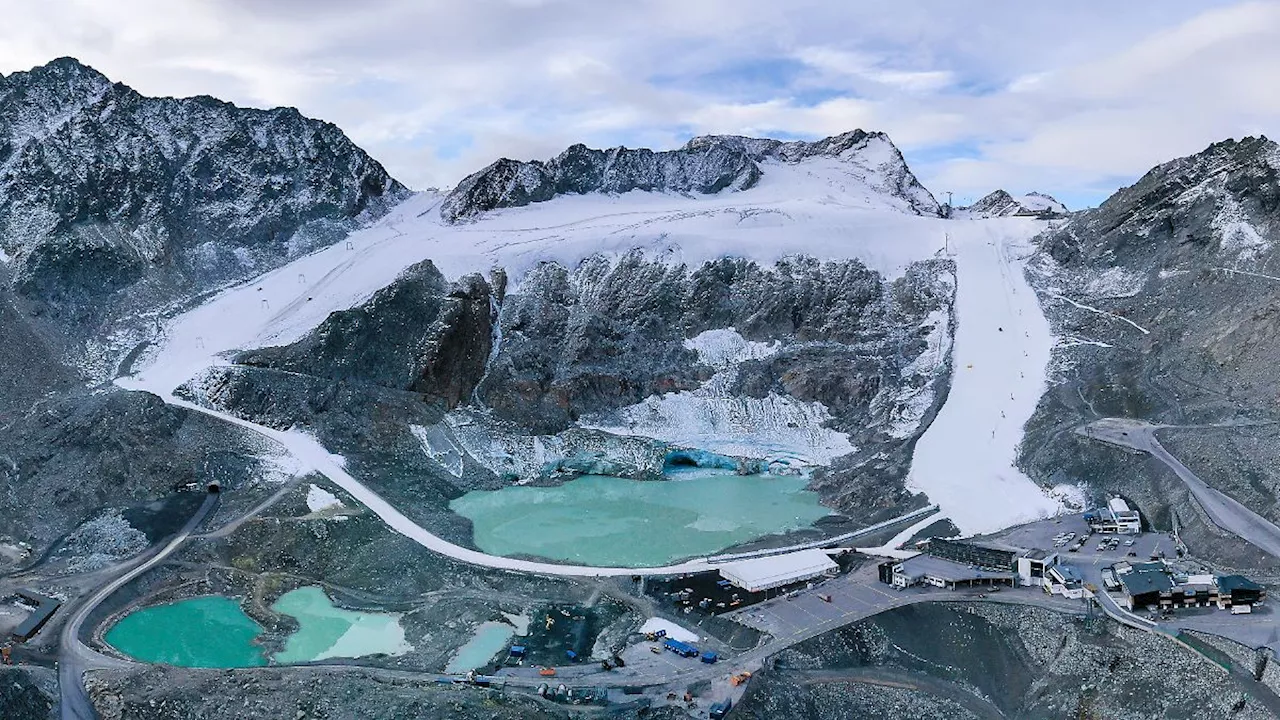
{"x":766,"y":573}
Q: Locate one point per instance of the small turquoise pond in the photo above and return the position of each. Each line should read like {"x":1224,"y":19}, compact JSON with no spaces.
{"x":489,"y":639}
{"x":609,"y":521}
{"x":215,"y":632}
{"x":203,"y":632}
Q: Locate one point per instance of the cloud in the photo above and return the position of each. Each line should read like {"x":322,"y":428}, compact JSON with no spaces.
{"x":1072,"y":98}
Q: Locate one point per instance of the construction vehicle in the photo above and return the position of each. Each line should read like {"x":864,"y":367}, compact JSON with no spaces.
{"x":739,"y":678}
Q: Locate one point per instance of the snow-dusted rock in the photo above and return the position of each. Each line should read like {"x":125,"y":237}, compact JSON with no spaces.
{"x":706,"y":165}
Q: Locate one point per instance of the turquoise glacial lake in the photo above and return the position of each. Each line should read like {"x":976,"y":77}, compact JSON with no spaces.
{"x":609,"y":521}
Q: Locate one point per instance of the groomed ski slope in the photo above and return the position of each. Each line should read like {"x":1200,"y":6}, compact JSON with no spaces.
{"x":964,"y":461}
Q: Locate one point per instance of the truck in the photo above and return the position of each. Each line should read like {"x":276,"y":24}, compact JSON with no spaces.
{"x":1241,"y":609}
{"x":680,"y":648}
{"x":719,"y":710}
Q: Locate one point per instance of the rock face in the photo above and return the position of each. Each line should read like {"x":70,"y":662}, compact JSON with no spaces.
{"x":984,"y":660}
{"x":103,"y":190}
{"x":1166,"y":298}
{"x":1001,"y":204}
{"x":610,"y":363}
{"x":80,"y":453}
{"x":30,"y":367}
{"x":422,"y":334}
{"x":706,"y":165}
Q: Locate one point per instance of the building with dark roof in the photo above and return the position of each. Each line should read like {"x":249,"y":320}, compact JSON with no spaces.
{"x":1239,"y":590}
{"x":939,"y":572}
{"x":1145,"y":584}
{"x":1066,"y":581}
{"x":45,"y":608}
{"x":981,"y":556}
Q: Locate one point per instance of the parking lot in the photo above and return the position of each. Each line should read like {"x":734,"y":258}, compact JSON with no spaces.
{"x":852,"y":595}
{"x":1041,"y":535}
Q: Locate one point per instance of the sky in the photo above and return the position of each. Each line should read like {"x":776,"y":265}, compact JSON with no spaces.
{"x":1072,"y":98}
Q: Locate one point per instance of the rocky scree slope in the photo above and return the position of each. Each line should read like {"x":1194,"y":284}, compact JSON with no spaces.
{"x":706,"y":165}
{"x":75,"y":455}
{"x":110,"y":200}
{"x":524,"y":368}
{"x":986,"y":660}
{"x":1167,"y":301}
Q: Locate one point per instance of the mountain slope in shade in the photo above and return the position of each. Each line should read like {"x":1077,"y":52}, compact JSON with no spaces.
{"x":869,"y":163}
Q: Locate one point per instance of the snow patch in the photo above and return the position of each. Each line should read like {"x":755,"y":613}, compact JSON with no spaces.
{"x":726,"y":348}
{"x":1116,"y":282}
{"x":776,"y":427}
{"x":674,"y":631}
{"x":440,"y":447}
{"x":918,"y":391}
{"x":1239,"y":236}
{"x":319,"y":499}
{"x":1073,"y":497}
{"x":966,"y":461}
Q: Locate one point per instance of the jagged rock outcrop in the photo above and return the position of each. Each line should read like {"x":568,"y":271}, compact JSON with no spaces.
{"x":605,"y":335}
{"x":422,"y":334}
{"x":30,"y":367}
{"x":1000,"y":203}
{"x":800,"y":362}
{"x":705,"y":165}
{"x":103,"y":189}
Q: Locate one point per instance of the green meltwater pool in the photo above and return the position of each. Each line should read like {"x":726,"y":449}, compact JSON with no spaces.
{"x":203,"y":632}
{"x":214,"y":632}
{"x":609,"y":521}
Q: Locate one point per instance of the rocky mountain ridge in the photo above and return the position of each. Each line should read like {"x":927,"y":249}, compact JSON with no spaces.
{"x":109,"y":198}
{"x":705,"y":165}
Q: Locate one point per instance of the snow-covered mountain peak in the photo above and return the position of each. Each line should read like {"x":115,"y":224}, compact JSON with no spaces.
{"x":1002,"y":204}
{"x":710,"y":164}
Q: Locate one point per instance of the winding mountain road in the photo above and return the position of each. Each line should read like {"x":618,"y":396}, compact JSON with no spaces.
{"x":1225,"y":512}
{"x":74,"y":658}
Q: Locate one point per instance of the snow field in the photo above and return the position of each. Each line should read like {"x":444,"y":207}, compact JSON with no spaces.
{"x":966,"y":460}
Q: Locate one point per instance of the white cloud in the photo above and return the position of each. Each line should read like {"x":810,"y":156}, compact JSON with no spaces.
{"x":861,"y":67}
{"x":1070,"y":98}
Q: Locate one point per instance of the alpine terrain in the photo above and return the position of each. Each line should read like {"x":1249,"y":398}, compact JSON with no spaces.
{"x":751,"y":428}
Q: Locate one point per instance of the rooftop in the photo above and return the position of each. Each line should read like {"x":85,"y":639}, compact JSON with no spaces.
{"x":1068,"y":573}
{"x":1141,"y":582}
{"x":948,"y":571}
{"x":1118,"y":505}
{"x":1227,"y":583}
{"x":776,"y":570}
